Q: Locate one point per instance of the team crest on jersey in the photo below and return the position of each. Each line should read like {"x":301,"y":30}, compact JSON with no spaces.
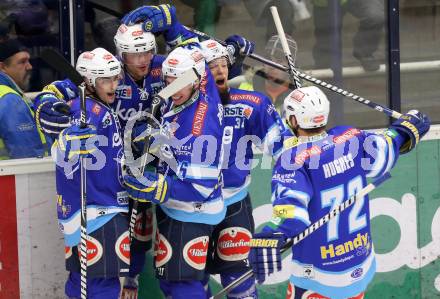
{"x":96,"y":109}
{"x":195,"y":252}
{"x":94,"y":250}
{"x":199,"y":118}
{"x":139,"y":232}
{"x":107,"y":120}
{"x":67,"y":252}
{"x":122,"y":247}
{"x":162,"y":250}
{"x":124,"y":92}
{"x":233,"y":243}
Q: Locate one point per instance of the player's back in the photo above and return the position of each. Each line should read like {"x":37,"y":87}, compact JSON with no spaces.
{"x":328,"y":171}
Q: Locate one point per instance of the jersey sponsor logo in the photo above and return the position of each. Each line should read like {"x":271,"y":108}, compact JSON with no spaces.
{"x":143,"y":94}
{"x":285,"y":178}
{"x":270,"y":109}
{"x":141,"y":233}
{"x":195,"y":252}
{"x":357,"y":273}
{"x":162,"y":250}
{"x":107,"y":120}
{"x":67,"y":252}
{"x":238,"y":110}
{"x":96,"y":109}
{"x":347,"y":135}
{"x":124,"y":92}
{"x":290,"y":142}
{"x":283,"y":211}
{"x":220,"y":113}
{"x":233,"y":243}
{"x":297,"y":95}
{"x":246,"y":97}
{"x":122,"y":247}
{"x":312,"y":295}
{"x":199,"y":118}
{"x":122,"y":198}
{"x":94,"y":250}
{"x":307,"y":153}
{"x":156,"y":72}
{"x":125,"y":113}
{"x":62,"y":207}
{"x":360,"y":242}
{"x":338,"y":166}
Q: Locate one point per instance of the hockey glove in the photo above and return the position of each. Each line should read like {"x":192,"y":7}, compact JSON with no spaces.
{"x":265,"y":254}
{"x":238,"y":46}
{"x":51,"y":115}
{"x":412,"y":126}
{"x":143,"y":130}
{"x":156,"y":19}
{"x":152,"y":187}
{"x":76,"y":141}
{"x":63,"y":89}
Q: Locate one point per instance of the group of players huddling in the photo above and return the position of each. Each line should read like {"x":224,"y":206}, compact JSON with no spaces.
{"x":201,"y":204}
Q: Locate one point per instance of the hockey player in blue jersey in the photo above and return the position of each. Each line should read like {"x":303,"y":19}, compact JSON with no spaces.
{"x":186,"y":215}
{"x":107,"y":202}
{"x":316,"y":172}
{"x":248,"y":116}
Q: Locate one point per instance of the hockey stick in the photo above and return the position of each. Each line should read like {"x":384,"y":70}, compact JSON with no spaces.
{"x":331,"y":87}
{"x":60,"y":64}
{"x":185,"y":79}
{"x":282,"y":36}
{"x":309,"y":230}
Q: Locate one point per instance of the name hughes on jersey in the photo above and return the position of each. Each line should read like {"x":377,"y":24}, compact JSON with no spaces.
{"x":338,"y":166}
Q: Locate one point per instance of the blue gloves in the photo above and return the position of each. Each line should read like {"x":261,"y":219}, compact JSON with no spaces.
{"x":63,"y":89}
{"x":52,"y":115}
{"x":412,"y":126}
{"x":76,"y":141}
{"x":238,"y":46}
{"x":265,"y":254}
{"x":153,"y":187}
{"x":154,"y":18}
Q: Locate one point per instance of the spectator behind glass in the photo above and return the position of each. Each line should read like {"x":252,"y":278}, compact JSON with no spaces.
{"x":19,"y":136}
{"x":271,"y":81}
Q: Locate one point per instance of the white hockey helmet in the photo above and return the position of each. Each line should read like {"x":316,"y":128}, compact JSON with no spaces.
{"x":132,"y":39}
{"x":182,"y":59}
{"x":212,"y":50}
{"x":309,"y":105}
{"x":98,"y":63}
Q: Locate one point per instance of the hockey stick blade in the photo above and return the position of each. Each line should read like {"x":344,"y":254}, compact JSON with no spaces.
{"x":312,"y":228}
{"x":57,"y":61}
